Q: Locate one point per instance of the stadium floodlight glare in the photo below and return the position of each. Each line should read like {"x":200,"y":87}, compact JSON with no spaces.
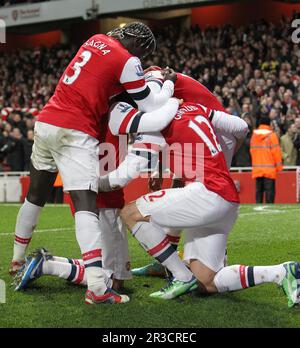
{"x":122,"y":25}
{"x":2,"y":31}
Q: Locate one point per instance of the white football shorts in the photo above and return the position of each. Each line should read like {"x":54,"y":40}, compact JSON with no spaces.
{"x":205,"y":217}
{"x":73,"y":153}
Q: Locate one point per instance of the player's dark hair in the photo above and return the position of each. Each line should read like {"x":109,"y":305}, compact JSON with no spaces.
{"x":138,"y":30}
{"x":264,"y":120}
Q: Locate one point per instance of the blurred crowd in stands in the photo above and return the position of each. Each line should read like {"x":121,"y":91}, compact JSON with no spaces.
{"x":254,"y":70}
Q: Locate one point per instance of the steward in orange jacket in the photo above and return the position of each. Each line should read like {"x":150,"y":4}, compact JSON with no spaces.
{"x":266,"y":160}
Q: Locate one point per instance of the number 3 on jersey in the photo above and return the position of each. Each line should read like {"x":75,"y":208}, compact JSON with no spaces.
{"x":215,"y":147}
{"x":84,"y":58}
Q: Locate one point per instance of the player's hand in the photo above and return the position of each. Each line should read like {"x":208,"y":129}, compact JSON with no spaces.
{"x":103,"y":184}
{"x":177,"y":183}
{"x":170,"y":74}
{"x":155,"y":184}
{"x":152,"y":68}
{"x":180,"y":101}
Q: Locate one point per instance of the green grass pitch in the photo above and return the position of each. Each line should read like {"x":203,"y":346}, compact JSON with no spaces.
{"x":261,"y":236}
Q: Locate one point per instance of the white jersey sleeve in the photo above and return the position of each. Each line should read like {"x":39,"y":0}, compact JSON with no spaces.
{"x":124,"y":119}
{"x":138,"y":160}
{"x":224,"y":122}
{"x":133,"y":80}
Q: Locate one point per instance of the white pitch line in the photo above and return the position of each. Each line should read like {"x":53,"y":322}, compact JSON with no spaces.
{"x":266,"y":212}
{"x":41,"y":231}
{"x":263,"y":212}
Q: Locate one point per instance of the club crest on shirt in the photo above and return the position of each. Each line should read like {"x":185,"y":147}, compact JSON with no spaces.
{"x":139,"y":70}
{"x":123,"y":107}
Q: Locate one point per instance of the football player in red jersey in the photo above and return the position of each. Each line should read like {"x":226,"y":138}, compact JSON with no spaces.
{"x":125,"y":119}
{"x":206,"y":208}
{"x":66,"y":139}
{"x":188,"y":89}
{"x":191,"y":90}
{"x":114,"y":255}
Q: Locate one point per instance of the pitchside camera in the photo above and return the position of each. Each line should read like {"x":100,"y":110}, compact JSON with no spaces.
{"x":91,"y":13}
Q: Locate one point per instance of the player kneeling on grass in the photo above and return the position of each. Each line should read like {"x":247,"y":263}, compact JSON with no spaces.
{"x":191,"y":90}
{"x":206,"y":208}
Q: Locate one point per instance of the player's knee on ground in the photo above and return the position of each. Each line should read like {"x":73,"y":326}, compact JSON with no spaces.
{"x":204,"y":275}
{"x":131,"y":215}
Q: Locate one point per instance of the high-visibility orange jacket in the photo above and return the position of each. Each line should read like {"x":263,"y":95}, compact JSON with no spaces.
{"x":58,"y":181}
{"x":265,"y":153}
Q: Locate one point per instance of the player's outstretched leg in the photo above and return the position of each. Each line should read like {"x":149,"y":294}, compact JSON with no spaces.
{"x":32,"y":268}
{"x":238,"y":277}
{"x":42,"y":263}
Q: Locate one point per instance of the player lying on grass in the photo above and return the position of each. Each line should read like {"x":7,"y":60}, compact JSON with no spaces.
{"x":68,"y":128}
{"x":206,"y":208}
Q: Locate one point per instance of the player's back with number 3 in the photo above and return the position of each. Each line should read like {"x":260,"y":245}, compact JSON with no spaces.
{"x":90,"y":80}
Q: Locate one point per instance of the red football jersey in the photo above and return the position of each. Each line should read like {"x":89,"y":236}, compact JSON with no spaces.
{"x":191,"y":126}
{"x":189,"y":89}
{"x":101,"y":69}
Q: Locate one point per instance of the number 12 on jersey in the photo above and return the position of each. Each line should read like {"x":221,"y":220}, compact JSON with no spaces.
{"x":214,"y":147}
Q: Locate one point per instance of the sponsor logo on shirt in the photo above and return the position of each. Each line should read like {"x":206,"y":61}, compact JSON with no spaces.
{"x":139,"y":70}
{"x":123,"y":107}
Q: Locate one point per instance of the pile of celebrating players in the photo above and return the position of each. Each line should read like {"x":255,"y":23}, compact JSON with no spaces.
{"x":180,"y":128}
